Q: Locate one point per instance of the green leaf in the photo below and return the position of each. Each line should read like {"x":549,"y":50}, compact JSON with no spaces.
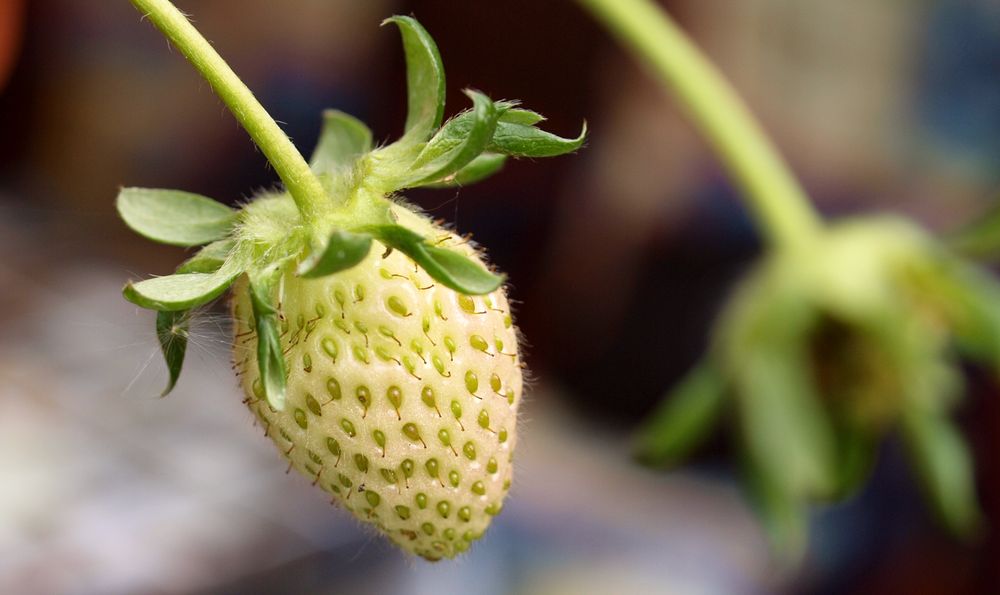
{"x":783,"y":512}
{"x":394,"y":236}
{"x":458,"y":142}
{"x":516,"y":135}
{"x":519,"y":140}
{"x":270,"y":359}
{"x":684,"y":418}
{"x":172,"y":326}
{"x":785,"y":429}
{"x":456,"y":270}
{"x":424,"y":79}
{"x":944,"y":464}
{"x":343,"y":250}
{"x":343,"y":139}
{"x":979,"y":239}
{"x":478,"y":169}
{"x":174,"y":217}
{"x":172,"y":330}
{"x":209,"y":259}
{"x":855,"y":458}
{"x":524,"y":117}
{"x":970,"y":299}
{"x":448,"y":267}
{"x":181,"y":291}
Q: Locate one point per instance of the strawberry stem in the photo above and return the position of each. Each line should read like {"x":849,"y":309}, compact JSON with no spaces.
{"x":776,"y":198}
{"x":301,"y":182}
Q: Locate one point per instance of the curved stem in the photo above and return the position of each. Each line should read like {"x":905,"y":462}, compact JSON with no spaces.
{"x":293,"y":170}
{"x":777,"y":201}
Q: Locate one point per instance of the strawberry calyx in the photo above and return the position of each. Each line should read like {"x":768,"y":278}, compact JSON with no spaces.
{"x":322,"y":233}
{"x":825,"y":350}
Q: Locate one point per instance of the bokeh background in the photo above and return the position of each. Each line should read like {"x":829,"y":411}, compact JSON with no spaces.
{"x":619,"y":256}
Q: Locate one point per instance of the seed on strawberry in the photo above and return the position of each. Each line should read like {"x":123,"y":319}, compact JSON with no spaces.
{"x":376,"y":349}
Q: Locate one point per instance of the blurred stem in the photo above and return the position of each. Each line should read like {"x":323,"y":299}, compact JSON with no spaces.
{"x":293,"y":170}
{"x":776,"y":198}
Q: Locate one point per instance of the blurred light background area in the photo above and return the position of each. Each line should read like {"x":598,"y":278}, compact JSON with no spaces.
{"x":619,"y":257}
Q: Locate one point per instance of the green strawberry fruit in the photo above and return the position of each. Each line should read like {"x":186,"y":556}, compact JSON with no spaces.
{"x":375,"y":347}
{"x":402,"y":394}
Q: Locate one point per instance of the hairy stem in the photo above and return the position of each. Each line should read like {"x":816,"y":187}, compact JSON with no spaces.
{"x":293,"y":170}
{"x":776,"y":198}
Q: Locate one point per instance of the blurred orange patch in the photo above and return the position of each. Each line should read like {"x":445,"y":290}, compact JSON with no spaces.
{"x":11,"y":21}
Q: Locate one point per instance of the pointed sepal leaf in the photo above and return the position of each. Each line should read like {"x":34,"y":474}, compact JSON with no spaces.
{"x":425,"y":80}
{"x":786,"y":432}
{"x":342,"y":251}
{"x":458,"y":142}
{"x":684,"y":418}
{"x":270,"y":359}
{"x":856,"y":453}
{"x":174,"y":217}
{"x":783,"y":512}
{"x":521,"y":140}
{"x":944,"y":464}
{"x":524,"y":117}
{"x":450,"y":268}
{"x":455,"y":270}
{"x":209,"y":259}
{"x":970,"y":299}
{"x":477,"y":170}
{"x":979,"y":239}
{"x":181,"y":291}
{"x":342,"y":140}
{"x":172,"y":330}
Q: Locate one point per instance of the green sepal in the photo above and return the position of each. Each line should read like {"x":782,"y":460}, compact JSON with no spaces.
{"x":209,"y":259}
{"x":172,"y":330}
{"x":979,"y":239}
{"x":524,"y":117}
{"x":943,"y":462}
{"x":425,"y":82}
{"x":856,"y":450}
{"x":477,"y":170}
{"x":516,"y":135}
{"x":174,"y":217}
{"x":784,"y":514}
{"x":181,"y":291}
{"x":450,"y":268}
{"x":341,"y":141}
{"x":684,"y":418}
{"x":173,"y":326}
{"x":270,"y":359}
{"x":785,"y":429}
{"x":970,"y":300}
{"x":458,"y":142}
{"x":342,"y":251}
{"x":520,"y":140}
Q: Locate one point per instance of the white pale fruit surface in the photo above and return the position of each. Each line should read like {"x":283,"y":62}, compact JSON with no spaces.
{"x":402,"y":394}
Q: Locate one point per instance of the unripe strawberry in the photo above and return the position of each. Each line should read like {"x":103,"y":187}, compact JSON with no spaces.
{"x":402,"y":394}
{"x":374,"y":346}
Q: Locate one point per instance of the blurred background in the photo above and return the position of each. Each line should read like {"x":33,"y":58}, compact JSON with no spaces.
{"x":619,"y":257}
